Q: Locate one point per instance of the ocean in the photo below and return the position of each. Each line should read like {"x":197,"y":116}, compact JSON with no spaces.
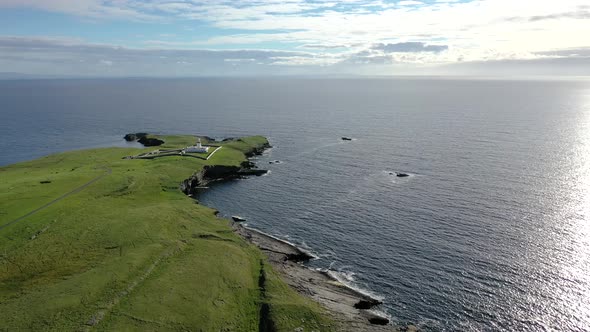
{"x":490,"y":232}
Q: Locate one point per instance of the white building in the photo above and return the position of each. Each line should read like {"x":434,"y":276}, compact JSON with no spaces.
{"x":199,"y":148}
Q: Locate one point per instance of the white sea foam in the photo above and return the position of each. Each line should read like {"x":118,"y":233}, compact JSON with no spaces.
{"x":343,"y":278}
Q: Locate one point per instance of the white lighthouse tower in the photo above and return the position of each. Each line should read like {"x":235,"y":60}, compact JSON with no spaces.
{"x":198,"y":148}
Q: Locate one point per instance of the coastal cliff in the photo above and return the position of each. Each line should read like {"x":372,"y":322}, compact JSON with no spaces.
{"x":350,"y":309}
{"x":213,"y":173}
{"x":97,"y":240}
{"x":94,"y":240}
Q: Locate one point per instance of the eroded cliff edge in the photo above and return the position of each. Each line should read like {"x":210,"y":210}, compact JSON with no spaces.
{"x":351,"y":310}
{"x":213,"y":173}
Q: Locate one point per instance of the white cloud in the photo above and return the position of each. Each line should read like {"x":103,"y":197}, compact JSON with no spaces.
{"x":120,"y":9}
{"x":51,"y":56}
{"x":479,"y":29}
{"x":409,"y":3}
{"x":339,"y":31}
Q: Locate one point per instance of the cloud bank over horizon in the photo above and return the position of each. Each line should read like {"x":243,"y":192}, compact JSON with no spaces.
{"x":294,"y":37}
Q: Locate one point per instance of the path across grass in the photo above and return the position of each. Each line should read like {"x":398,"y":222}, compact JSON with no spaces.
{"x":80,"y":188}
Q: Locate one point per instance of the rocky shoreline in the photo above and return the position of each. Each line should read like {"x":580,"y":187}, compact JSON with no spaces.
{"x":143,"y":139}
{"x":200,"y":180}
{"x":214,"y":173}
{"x":350,"y":309}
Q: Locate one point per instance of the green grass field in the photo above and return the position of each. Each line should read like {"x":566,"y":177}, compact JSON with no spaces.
{"x":130,"y":251}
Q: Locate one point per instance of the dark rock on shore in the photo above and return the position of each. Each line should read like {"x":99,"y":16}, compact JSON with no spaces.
{"x":209,"y":139}
{"x":257,"y":172}
{"x":258,"y":150}
{"x":206,"y":175}
{"x":248,"y":164}
{"x":134,"y":137}
{"x":378,"y":320}
{"x":298,"y":256}
{"x":287,"y":251}
{"x":375,"y":318}
{"x":319,"y":286}
{"x":367,"y":304}
{"x":143,"y":139}
{"x":213,"y":173}
{"x":146,"y":141}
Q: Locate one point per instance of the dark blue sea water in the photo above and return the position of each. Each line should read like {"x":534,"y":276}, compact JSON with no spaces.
{"x":490,"y":232}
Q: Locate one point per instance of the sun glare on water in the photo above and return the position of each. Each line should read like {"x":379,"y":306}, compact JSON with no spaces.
{"x":578,"y":216}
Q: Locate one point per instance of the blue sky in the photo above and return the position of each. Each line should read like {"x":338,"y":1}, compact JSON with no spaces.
{"x":294,"y":37}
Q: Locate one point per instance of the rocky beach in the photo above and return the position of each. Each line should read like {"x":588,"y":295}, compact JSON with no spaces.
{"x":350,"y":309}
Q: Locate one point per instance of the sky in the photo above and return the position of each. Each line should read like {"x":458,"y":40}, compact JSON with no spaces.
{"x":186,"y":38}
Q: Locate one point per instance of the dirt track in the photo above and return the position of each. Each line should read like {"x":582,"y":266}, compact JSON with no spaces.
{"x":80,"y":188}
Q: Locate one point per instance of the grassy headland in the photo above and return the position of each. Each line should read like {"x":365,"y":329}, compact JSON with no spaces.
{"x":130,"y":251}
